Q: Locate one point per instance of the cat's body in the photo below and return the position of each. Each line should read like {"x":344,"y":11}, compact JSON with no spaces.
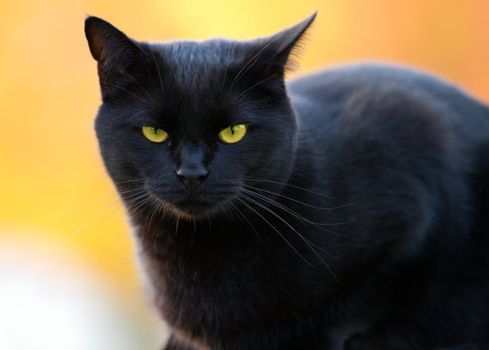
{"x":417,"y":150}
{"x":360,"y":225}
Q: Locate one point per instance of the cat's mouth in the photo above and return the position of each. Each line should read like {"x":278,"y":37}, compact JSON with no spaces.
{"x":190,"y":207}
{"x":193,"y":206}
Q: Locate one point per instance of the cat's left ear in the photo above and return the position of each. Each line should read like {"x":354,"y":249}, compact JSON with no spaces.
{"x":114,"y":51}
{"x":283,"y":44}
{"x":105,"y":40}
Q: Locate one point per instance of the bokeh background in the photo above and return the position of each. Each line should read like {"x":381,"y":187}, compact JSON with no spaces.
{"x":68,"y":277}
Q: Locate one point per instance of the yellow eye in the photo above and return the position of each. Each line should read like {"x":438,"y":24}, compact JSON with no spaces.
{"x":154,"y":134}
{"x":233,"y":133}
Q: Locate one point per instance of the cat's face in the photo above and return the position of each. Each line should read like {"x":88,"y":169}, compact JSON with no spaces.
{"x":188,"y":125}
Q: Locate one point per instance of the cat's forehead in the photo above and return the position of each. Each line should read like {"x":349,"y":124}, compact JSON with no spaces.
{"x":213,"y":52}
{"x":189,"y":62}
{"x":190,"y":79}
{"x":195,"y":75}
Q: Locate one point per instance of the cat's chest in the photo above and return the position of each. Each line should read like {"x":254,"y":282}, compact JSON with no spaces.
{"x":220,"y":295}
{"x":202,"y":304}
{"x":205,"y":290}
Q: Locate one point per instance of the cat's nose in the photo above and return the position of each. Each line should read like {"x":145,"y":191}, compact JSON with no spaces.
{"x":192,"y":177}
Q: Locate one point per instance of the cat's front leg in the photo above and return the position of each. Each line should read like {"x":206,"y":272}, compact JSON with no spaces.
{"x":379,"y":341}
{"x":174,"y":344}
{"x":471,"y":346}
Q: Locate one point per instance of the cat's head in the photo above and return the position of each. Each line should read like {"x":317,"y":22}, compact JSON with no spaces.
{"x":188,"y":125}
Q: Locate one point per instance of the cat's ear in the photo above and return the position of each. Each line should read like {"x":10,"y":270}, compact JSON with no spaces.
{"x":284,"y":44}
{"x":114,"y":51}
{"x":106,"y":41}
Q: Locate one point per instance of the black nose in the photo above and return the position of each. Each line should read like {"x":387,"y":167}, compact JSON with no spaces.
{"x":192,"y":177}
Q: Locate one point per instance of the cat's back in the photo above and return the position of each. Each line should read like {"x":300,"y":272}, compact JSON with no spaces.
{"x":398,"y":143}
{"x":320,"y":98}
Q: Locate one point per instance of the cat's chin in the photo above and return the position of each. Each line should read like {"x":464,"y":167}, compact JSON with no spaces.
{"x":191,"y":209}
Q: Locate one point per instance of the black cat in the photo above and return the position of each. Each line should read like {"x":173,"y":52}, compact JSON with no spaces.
{"x":347,"y":209}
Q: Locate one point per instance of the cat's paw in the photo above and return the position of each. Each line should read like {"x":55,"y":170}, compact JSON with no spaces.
{"x":374,"y":342}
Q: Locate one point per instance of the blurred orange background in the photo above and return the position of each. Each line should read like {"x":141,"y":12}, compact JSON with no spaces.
{"x":53,"y":188}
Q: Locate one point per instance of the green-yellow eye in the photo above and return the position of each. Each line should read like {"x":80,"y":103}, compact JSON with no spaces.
{"x":233,"y":133}
{"x":154,"y":134}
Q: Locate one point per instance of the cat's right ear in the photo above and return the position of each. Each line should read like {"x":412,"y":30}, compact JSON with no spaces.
{"x":114,"y":51}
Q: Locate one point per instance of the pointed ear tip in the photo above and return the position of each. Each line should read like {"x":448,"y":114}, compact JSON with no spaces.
{"x":311,"y":17}
{"x":303,"y":25}
{"x":89,"y":19}
{"x":94,"y":21}
{"x":93,"y":27}
{"x":90,"y":22}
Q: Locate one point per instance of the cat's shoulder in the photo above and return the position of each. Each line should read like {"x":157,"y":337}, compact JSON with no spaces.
{"x":370,"y":92}
{"x":384,"y":94}
{"x":339,"y":80}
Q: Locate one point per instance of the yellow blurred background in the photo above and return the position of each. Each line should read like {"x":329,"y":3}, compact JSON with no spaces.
{"x":53,"y":189}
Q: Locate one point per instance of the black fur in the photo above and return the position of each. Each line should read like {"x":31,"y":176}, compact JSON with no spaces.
{"x":353,"y":215}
